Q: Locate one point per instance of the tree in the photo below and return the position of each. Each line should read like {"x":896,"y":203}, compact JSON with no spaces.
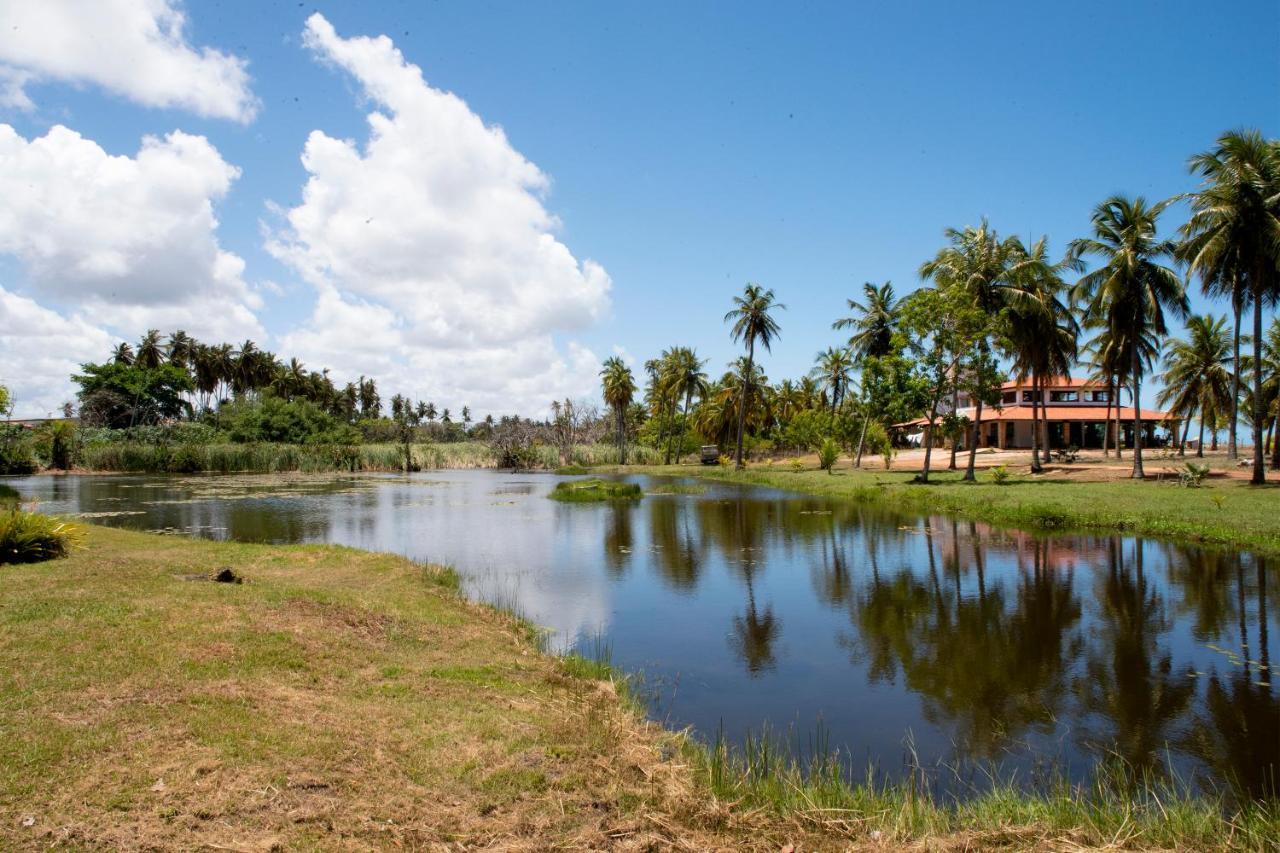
{"x":752,"y":322}
{"x":875,"y":321}
{"x":1233,"y":241}
{"x":1197,"y":375}
{"x":688,"y":379}
{"x":150,"y":351}
{"x":124,"y":395}
{"x":992,"y":275}
{"x":122,"y":354}
{"x":1131,"y":291}
{"x":619,"y":389}
{"x":833,"y":368}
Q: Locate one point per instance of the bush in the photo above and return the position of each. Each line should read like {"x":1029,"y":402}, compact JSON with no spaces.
{"x":17,"y":455}
{"x":1000,"y":475}
{"x":828,"y":453}
{"x":1192,"y":475}
{"x":274,"y":420}
{"x":62,"y":445}
{"x":28,"y":537}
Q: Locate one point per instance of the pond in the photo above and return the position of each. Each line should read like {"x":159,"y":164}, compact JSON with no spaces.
{"x":904,"y":641}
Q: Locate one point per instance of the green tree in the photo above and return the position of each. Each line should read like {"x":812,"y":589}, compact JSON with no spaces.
{"x":124,"y":395}
{"x":1197,"y":375}
{"x":1233,"y":241}
{"x":832,"y":368}
{"x":752,"y":322}
{"x":1132,"y":290}
{"x":619,"y":388}
{"x":875,"y":320}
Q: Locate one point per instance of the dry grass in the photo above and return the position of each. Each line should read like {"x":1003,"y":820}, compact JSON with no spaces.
{"x":335,"y":700}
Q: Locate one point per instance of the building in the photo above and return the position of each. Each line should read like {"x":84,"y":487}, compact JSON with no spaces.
{"x":1073,"y":413}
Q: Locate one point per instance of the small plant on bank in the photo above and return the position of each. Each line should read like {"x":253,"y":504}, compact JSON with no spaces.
{"x":28,"y":537}
{"x":797,"y":465}
{"x":1192,"y":475}
{"x":595,"y":489}
{"x":1000,"y":475}
{"x":828,"y":453}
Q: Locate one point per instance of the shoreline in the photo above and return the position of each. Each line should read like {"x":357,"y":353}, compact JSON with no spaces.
{"x":151,"y":703}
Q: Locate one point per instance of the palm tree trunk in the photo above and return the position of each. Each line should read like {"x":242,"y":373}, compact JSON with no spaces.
{"x":1259,"y":413}
{"x":1036,"y":467}
{"x":688,"y":399}
{"x":1138,"y":473}
{"x":1119,"y":391}
{"x":1200,"y":440}
{"x":1232,"y":448}
{"x":928,"y":441}
{"x":862,"y":438}
{"x":973,"y":445}
{"x":746,"y":398}
{"x":1274,"y":441}
{"x":1106,"y":426}
{"x":955,"y":401}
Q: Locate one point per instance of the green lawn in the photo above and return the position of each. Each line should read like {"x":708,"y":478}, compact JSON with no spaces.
{"x":1225,"y":511}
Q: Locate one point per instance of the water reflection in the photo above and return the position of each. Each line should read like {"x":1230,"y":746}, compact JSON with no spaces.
{"x":978,"y":644}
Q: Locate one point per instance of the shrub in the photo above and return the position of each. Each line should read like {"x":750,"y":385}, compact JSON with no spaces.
{"x":1192,"y":475}
{"x":28,"y":537}
{"x":62,"y":445}
{"x":828,"y":453}
{"x":272,"y":419}
{"x":797,"y":465}
{"x":1000,"y":475}
{"x":17,"y":456}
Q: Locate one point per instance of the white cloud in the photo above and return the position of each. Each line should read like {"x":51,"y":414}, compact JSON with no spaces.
{"x":40,"y":349}
{"x":435,"y":263}
{"x":135,"y":48}
{"x":129,"y":241}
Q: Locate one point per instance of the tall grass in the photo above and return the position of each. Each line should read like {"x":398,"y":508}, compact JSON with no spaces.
{"x":28,"y":537}
{"x":1118,"y":806}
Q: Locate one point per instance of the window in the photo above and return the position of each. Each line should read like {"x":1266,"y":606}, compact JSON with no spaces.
{"x":1064,"y":397}
{"x":1028,"y":396}
{"x":1009,"y":397}
{"x":1099,"y":396}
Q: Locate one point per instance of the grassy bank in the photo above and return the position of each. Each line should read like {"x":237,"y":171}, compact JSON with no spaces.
{"x":179,"y":458}
{"x":1222,"y":511}
{"x":338,"y":699}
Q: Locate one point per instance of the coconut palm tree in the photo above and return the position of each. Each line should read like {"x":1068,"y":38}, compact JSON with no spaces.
{"x":182,"y":349}
{"x":874,"y":322}
{"x":1233,"y":239}
{"x":688,"y":379}
{"x":1198,"y":374}
{"x":991,"y":274}
{"x":833,"y":368}
{"x":122,"y":354}
{"x":618,"y":385}
{"x":752,"y":322}
{"x":150,"y":351}
{"x":1131,"y":291}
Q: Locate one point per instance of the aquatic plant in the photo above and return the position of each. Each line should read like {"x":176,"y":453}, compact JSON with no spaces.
{"x":595,"y":489}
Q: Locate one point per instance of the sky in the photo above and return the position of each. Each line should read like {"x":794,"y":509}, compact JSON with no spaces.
{"x":477,"y":202}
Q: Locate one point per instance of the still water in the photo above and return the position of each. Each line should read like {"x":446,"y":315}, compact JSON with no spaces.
{"x":903,"y":640}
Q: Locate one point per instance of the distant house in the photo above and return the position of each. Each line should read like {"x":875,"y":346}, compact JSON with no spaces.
{"x":1073,"y":413}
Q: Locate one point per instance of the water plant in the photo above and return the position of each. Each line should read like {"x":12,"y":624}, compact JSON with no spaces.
{"x":595,"y":489}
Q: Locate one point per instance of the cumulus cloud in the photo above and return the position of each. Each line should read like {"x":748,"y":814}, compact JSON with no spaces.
{"x":134,"y":48}
{"x":435,"y":263}
{"x":40,"y":349}
{"x":129,"y":240}
{"x":119,"y":244}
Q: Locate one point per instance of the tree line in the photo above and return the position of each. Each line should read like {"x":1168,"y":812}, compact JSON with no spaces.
{"x":993,"y":306}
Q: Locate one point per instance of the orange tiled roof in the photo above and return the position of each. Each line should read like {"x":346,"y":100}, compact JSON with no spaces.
{"x":1054,"y":382}
{"x":1057,"y":413}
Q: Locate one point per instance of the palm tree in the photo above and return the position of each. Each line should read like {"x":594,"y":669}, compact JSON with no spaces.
{"x":992,"y":275}
{"x":1198,"y":375}
{"x":182,"y":349}
{"x":689,"y":378}
{"x":1042,"y":336}
{"x":833,"y":368}
{"x":875,"y":321}
{"x":122,"y":354}
{"x":150,"y":351}
{"x":1131,"y":291}
{"x":752,"y":322}
{"x":1233,"y":240}
{"x":619,"y":389}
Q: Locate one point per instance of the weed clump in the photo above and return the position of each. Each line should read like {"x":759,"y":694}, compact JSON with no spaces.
{"x":28,"y":537}
{"x":595,"y":489}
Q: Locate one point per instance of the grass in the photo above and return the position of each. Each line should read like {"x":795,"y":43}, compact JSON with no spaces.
{"x":1118,"y":808}
{"x":594,"y":489}
{"x":339,"y":699}
{"x":28,"y":537}
{"x":1223,"y":511}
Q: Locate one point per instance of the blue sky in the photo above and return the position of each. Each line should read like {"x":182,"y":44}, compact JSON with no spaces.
{"x":693,"y":147}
